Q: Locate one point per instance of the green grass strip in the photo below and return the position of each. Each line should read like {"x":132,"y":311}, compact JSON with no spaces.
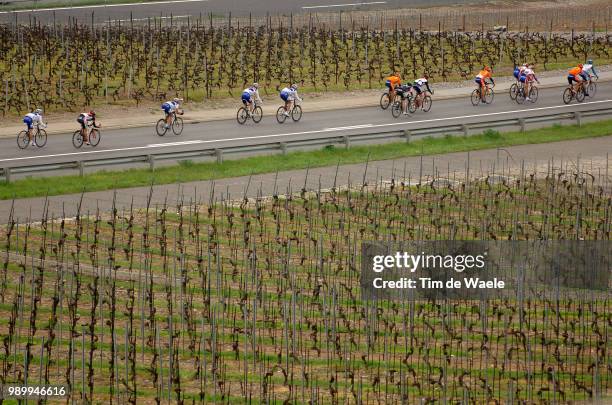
{"x":189,"y":171}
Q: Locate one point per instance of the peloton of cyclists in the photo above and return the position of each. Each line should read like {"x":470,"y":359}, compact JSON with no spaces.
{"x":170,"y":107}
{"x":31,"y":119}
{"x":289,"y":95}
{"x":481,"y":80}
{"x":86,"y":119}
{"x":250,"y":95}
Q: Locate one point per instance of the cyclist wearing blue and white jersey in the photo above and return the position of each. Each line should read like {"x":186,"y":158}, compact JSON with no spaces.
{"x":289,"y":95}
{"x":31,"y":119}
{"x":419,"y":86}
{"x":250,"y":95}
{"x":86,"y":119}
{"x":589,"y":69}
{"x":170,"y":107}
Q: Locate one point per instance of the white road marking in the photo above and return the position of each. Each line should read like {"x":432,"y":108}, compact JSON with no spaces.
{"x":150,"y":3}
{"x":345,"y":128}
{"x":345,"y":5}
{"x":318,"y":131}
{"x":145,"y":19}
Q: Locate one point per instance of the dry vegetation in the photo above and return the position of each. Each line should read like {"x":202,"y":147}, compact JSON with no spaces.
{"x":260,"y":299}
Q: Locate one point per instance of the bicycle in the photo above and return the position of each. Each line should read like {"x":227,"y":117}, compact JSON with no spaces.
{"x":94,"y":137}
{"x":533,"y":94}
{"x":425,"y":103}
{"x":177,"y":125}
{"x":244,"y":114}
{"x":385,"y":100}
{"x":569,"y":94}
{"x":39,"y":138}
{"x":397,"y":107}
{"x":295,"y":113}
{"x":477,"y":98}
{"x":592,"y":86}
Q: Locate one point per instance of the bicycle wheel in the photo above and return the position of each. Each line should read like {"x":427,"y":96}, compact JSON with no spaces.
{"x":513,"y":91}
{"x":580,"y":94}
{"x":177,"y":126}
{"x":412,"y":105}
{"x":160,"y":127}
{"x":242,"y":115}
{"x":41,"y":138}
{"x":77,"y":139}
{"x":257,"y":114}
{"x":489,"y":96}
{"x":396,"y":109}
{"x":475,"y":97}
{"x":296,"y":113}
{"x":426,"y":104}
{"x":94,"y":137}
{"x":592,"y":89}
{"x":280,"y":115}
{"x":520,"y":96}
{"x":567,"y":95}
{"x":22,"y":139}
{"x":384,"y":101}
{"x":533,"y":94}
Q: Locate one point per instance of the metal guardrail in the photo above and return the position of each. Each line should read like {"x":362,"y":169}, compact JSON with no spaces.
{"x":283,"y":146}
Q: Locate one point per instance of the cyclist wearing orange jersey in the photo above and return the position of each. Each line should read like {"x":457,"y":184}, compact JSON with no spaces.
{"x":393,"y":82}
{"x":481,"y":80}
{"x":574,"y":76}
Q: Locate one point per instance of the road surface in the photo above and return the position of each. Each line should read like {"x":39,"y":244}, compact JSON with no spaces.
{"x":194,"y":8}
{"x":213,"y":134}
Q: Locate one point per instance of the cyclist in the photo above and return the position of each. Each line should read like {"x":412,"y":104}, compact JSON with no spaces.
{"x":588,"y":71}
{"x":518,"y":70}
{"x":33,"y":118}
{"x":392,"y":82}
{"x":481,"y":80}
{"x":170,"y":107}
{"x":527,"y":77}
{"x":249,"y":95}
{"x":403,"y":91}
{"x":573,"y":75}
{"x":419,"y":85}
{"x":289,"y":95}
{"x":85,"y":119}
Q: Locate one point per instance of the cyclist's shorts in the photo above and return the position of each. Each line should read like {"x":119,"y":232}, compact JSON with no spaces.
{"x":246,"y":97}
{"x":523,"y":78}
{"x":571,"y":79}
{"x":81,"y":121}
{"x":388,"y":84}
{"x":28,"y":122}
{"x":516,"y":73}
{"x":584,"y":76}
{"x":284,"y":96}
{"x":417,"y":89}
{"x":166,"y":107}
{"x":478,"y":80}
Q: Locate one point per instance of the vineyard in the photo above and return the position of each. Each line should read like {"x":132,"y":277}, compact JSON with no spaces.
{"x":259,"y":300}
{"x":67,"y":67}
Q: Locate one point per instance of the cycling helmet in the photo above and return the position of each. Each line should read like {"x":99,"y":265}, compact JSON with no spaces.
{"x":590,"y":61}
{"x":580,"y":65}
{"x":256,"y":85}
{"x":176,"y":99}
{"x":38,"y":111}
{"x":294,"y":86}
{"x":92,"y":113}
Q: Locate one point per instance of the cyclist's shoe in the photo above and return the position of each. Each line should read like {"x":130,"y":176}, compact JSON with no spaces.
{"x":167,"y":126}
{"x":586,"y":94}
{"x":527,"y":98}
{"x":286,"y":113}
{"x":87,"y":143}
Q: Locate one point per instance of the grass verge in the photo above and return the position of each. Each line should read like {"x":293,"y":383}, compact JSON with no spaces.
{"x":189,"y":171}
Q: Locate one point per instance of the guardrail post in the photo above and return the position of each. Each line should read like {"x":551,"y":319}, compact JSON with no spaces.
{"x":521,"y":122}
{"x":151,"y":160}
{"x":346,"y":141}
{"x":407,"y":135}
{"x":7,"y":174}
{"x":283,"y":148}
{"x":80,"y":166}
{"x":219,"y":155}
{"x":466,"y":129}
{"x":578,"y":118}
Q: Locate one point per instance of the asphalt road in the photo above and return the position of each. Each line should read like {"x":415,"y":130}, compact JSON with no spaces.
{"x":217,"y":7}
{"x":142,"y":141}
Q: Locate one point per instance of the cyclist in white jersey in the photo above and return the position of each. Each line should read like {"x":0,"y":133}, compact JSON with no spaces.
{"x":289,"y":95}
{"x":249,"y":95}
{"x":31,"y":119}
